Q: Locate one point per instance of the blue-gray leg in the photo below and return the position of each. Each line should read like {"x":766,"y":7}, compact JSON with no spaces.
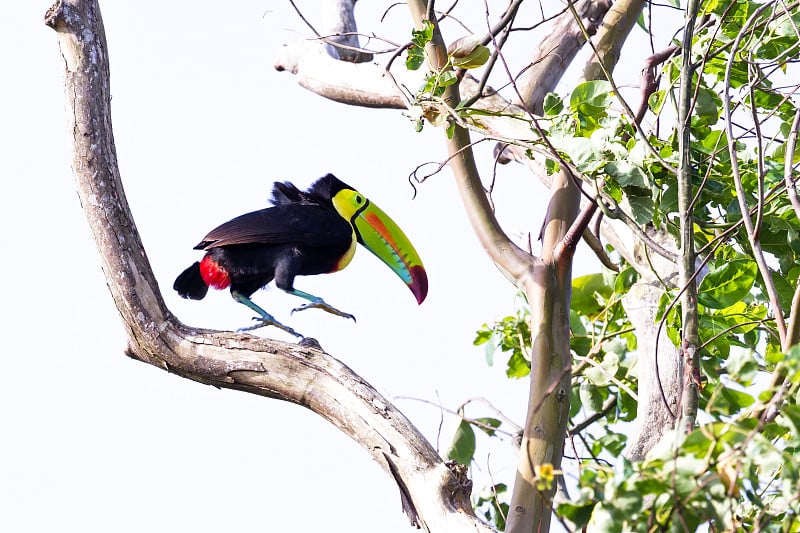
{"x":318,"y":303}
{"x":264,"y":318}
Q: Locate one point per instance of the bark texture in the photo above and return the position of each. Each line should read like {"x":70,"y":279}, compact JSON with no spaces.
{"x":555,"y":52}
{"x":368,"y":84}
{"x":547,"y":282}
{"x":435,"y":497}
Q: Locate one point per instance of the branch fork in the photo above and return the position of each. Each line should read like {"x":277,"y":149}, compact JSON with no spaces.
{"x":434,"y":497}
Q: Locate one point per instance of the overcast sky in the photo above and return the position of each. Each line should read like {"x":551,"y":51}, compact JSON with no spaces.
{"x":94,"y":441}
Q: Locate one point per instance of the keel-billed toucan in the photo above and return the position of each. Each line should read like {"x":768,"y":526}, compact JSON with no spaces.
{"x":302,"y":234}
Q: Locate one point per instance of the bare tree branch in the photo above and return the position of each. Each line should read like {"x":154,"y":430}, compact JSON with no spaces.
{"x":614,"y":30}
{"x":546,"y":283}
{"x":435,"y":498}
{"x":339,"y":20}
{"x":556,"y":51}
{"x":514,"y":262}
{"x":363,"y":84}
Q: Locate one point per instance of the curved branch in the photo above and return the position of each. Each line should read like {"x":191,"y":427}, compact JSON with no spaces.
{"x":515,"y":263}
{"x":434,"y":497}
{"x":362,"y":84}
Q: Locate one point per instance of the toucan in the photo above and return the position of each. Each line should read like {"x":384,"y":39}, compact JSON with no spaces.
{"x":304,"y":233}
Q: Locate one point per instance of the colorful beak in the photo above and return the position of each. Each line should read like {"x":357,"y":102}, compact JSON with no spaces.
{"x":381,"y":236}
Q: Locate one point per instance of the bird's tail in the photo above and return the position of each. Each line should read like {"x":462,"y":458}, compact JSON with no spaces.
{"x":190,"y":283}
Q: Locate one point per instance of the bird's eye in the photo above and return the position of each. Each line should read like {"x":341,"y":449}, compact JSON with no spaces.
{"x":359,"y":199}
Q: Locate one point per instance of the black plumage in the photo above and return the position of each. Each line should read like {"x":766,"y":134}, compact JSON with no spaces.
{"x":304,"y":233}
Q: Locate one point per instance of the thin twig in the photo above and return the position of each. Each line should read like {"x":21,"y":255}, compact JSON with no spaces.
{"x":752,"y":236}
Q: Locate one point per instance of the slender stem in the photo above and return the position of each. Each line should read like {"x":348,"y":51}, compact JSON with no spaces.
{"x":752,"y":233}
{"x":788,"y":164}
{"x":686,"y":266}
{"x":793,"y":328}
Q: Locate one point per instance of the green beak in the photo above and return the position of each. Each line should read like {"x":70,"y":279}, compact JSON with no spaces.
{"x":384,"y":238}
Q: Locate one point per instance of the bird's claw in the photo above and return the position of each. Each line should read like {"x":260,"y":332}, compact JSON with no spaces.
{"x":325,"y":307}
{"x":263,"y":321}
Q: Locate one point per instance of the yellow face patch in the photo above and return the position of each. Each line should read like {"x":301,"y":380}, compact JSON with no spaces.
{"x":348,"y":202}
{"x":383,"y":237}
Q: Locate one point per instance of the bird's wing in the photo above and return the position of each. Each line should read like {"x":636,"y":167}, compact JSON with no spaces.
{"x":300,"y":224}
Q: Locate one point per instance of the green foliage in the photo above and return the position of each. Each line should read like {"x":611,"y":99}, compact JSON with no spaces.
{"x":415,"y":53}
{"x":465,"y":53}
{"x":462,"y":448}
{"x":729,"y":283}
{"x":468,"y":53}
{"x":738,"y":469}
{"x":602,"y":341}
{"x":510,"y":335}
{"x":491,"y":506}
{"x":553,"y":104}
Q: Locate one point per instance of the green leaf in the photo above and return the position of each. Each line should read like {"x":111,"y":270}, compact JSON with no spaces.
{"x":773,"y":353}
{"x":553,"y":105}
{"x":488,"y":425}
{"x":518,"y":366}
{"x":699,"y":441}
{"x":468,"y":52}
{"x":589,"y":294}
{"x":628,"y":502}
{"x":625,"y":280}
{"x":627,"y":174}
{"x":591,"y":98}
{"x":491,"y":505}
{"x":462,"y":448}
{"x":448,"y":77}
{"x":707,"y":106}
{"x":642,"y":208}
{"x":728,"y":401}
{"x":574,"y":401}
{"x":415,"y":56}
{"x":577,"y":514}
{"x":603,"y":520}
{"x":727,"y":284}
{"x":483,"y":335}
{"x":590,"y":397}
{"x":422,"y":36}
{"x":792,"y":415}
{"x":601,"y":376}
{"x":627,"y":405}
{"x":451,"y":129}
{"x":613,"y":442}
{"x":656,"y":101}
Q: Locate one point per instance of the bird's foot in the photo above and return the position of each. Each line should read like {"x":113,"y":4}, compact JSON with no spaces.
{"x":269,"y":321}
{"x":325,"y":307}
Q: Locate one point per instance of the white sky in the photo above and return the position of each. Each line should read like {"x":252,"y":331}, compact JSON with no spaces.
{"x":94,"y":441}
